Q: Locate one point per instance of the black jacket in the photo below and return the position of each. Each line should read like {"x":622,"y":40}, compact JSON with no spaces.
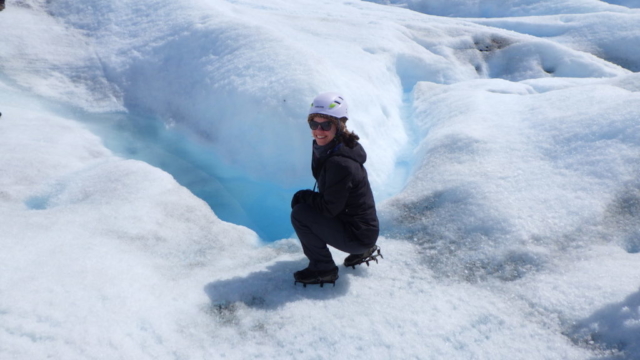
{"x":344,"y":191}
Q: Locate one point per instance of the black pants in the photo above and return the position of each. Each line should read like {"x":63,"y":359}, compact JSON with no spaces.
{"x":316,"y":231}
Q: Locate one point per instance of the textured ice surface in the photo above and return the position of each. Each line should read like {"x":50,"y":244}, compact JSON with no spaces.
{"x":505,"y":149}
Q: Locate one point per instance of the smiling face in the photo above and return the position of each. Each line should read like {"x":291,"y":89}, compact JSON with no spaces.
{"x":323,"y":137}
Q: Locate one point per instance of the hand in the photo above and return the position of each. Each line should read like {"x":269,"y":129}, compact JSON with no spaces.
{"x":301,"y":197}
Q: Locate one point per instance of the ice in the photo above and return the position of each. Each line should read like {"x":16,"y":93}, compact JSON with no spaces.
{"x":149,"y":150}
{"x":614,"y":329}
{"x":196,"y":75}
{"x":590,"y":33}
{"x":488,"y":159}
{"x":510,"y":8}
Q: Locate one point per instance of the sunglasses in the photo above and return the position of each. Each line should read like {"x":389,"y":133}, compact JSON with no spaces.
{"x":326,"y":126}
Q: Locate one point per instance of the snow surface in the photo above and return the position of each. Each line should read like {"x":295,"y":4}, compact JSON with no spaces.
{"x":149,"y":150}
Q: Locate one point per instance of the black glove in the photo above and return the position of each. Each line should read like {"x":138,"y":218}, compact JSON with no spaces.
{"x":302,"y":197}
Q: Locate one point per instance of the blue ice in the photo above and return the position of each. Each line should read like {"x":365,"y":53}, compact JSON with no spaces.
{"x":233,"y":195}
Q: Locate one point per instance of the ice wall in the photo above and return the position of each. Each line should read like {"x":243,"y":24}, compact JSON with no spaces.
{"x":229,"y":94}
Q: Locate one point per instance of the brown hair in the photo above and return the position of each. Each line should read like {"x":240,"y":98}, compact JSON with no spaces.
{"x":343,"y":135}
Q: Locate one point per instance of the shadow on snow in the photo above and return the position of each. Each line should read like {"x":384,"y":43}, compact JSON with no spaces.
{"x":613,"y":331}
{"x":273,"y":288}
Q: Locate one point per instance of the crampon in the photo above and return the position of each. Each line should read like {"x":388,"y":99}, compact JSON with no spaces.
{"x":370,"y":255}
{"x":315,"y":282}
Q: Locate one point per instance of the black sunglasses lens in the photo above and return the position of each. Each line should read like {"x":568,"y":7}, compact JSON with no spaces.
{"x":326,"y":126}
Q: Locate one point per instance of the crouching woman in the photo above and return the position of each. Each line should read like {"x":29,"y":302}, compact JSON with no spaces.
{"x":342,"y":212}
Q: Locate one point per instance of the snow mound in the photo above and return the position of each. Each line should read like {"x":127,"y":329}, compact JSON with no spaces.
{"x":510,"y":8}
{"x":590,"y":33}
{"x":519,"y":172}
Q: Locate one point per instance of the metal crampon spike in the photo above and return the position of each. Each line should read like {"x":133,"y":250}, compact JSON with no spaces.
{"x":372,"y":257}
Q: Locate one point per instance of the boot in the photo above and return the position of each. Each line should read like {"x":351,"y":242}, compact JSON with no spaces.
{"x":357,"y":259}
{"x":308,"y":276}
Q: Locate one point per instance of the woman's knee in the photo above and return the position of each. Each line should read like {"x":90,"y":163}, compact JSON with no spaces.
{"x":301,"y":214}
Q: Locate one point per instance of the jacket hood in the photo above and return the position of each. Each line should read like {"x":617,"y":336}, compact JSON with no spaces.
{"x":356,"y":154}
{"x":321,"y":154}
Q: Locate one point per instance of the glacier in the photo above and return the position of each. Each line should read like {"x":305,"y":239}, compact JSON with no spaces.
{"x":149,"y":150}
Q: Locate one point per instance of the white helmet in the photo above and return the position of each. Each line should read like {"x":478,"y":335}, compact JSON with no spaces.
{"x":330,"y":103}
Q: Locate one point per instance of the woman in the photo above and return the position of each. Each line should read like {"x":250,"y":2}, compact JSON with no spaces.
{"x":342,"y":212}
